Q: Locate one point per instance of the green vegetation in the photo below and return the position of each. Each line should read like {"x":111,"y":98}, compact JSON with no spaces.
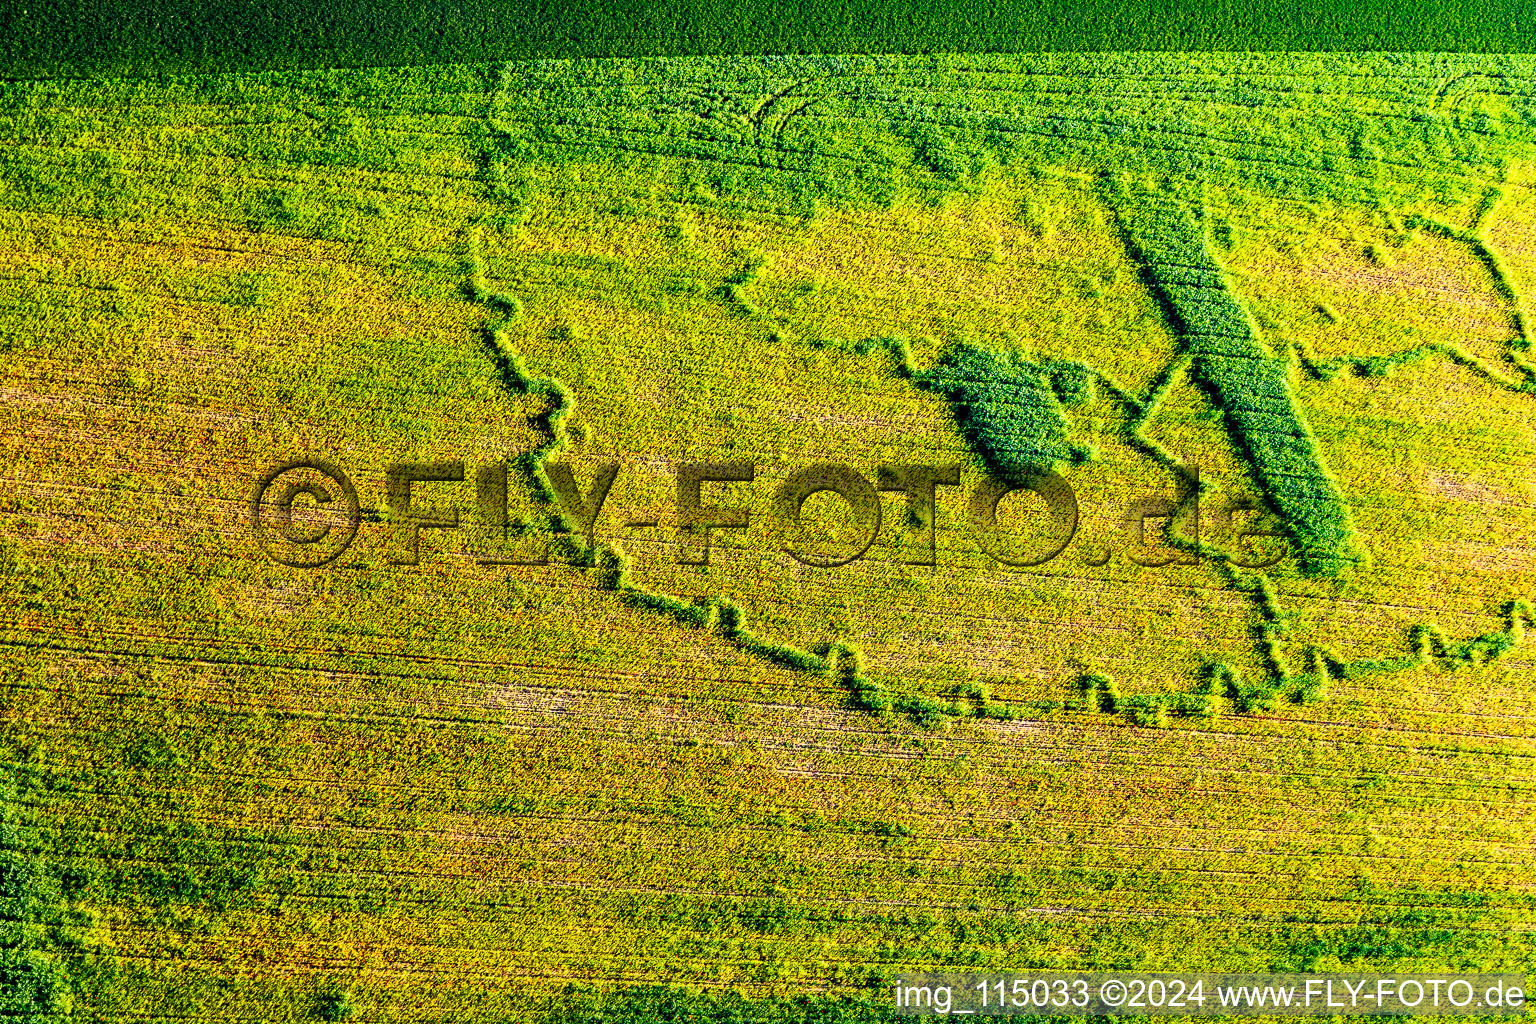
{"x":664,"y":1005}
{"x":554,"y":766}
{"x":1010,"y":409}
{"x":1247,"y":383}
{"x":199,"y":35}
{"x":54,"y":956}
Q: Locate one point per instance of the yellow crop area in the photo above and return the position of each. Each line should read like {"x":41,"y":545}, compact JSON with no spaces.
{"x":703,"y":538}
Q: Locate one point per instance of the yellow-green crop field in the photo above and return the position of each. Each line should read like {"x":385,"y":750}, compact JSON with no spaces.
{"x":1265,"y":321}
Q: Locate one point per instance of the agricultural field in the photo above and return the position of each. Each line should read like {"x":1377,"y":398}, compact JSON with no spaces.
{"x":703,"y":538}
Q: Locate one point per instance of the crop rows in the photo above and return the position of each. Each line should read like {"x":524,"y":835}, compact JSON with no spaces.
{"x":236,"y":789}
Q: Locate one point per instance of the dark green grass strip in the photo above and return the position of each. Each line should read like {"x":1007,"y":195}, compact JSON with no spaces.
{"x":147,"y":36}
{"x":1241,"y":377}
